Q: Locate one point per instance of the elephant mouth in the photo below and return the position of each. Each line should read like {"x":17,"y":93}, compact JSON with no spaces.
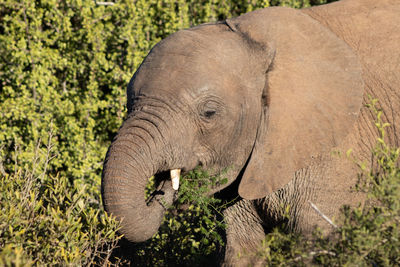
{"x":168,"y":180}
{"x":161,"y":183}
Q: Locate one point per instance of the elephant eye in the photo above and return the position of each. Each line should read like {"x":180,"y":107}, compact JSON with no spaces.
{"x":209,"y":113}
{"x":209,"y":109}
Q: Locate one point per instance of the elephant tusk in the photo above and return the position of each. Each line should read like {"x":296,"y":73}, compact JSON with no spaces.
{"x":175,"y":174}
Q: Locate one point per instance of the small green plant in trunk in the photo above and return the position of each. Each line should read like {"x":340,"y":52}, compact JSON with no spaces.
{"x":190,"y":233}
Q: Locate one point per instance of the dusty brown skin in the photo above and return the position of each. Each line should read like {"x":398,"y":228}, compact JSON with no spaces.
{"x":268,"y":95}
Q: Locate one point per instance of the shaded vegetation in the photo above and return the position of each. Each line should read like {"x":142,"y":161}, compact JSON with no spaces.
{"x":190,"y":233}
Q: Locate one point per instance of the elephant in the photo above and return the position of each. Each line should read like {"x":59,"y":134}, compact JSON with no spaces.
{"x":270,"y":96}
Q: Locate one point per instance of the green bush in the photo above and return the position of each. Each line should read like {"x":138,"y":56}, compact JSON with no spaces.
{"x":190,"y":233}
{"x":47,"y":219}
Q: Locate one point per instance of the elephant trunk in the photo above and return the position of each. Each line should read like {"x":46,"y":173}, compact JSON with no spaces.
{"x":131,"y":160}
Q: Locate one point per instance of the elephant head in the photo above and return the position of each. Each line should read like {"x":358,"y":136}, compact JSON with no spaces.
{"x":259,"y":95}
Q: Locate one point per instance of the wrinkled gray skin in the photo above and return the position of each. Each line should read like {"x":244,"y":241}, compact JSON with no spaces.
{"x":268,"y":95}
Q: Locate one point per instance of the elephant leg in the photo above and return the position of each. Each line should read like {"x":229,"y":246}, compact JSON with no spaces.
{"x":244,"y":234}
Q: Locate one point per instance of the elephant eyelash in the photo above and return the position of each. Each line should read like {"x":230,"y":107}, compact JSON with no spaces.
{"x":210,"y":107}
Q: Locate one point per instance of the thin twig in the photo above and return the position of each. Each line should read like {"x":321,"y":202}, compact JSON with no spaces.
{"x":323,"y":215}
{"x":315,"y":253}
{"x":49,"y":150}
{"x":365,"y":254}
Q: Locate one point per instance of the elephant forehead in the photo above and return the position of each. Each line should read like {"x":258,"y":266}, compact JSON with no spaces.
{"x":181,"y":73}
{"x":200,"y":49}
{"x":186,"y":80}
{"x":190,"y":63}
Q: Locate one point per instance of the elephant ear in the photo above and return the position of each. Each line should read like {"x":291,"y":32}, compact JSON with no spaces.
{"x":314,"y":94}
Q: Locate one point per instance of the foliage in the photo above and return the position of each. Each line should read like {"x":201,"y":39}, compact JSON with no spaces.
{"x":190,"y":233}
{"x":47,"y":219}
{"x":369,"y":235}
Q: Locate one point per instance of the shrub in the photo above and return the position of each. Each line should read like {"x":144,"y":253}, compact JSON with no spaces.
{"x":190,"y":232}
{"x":47,"y":219}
